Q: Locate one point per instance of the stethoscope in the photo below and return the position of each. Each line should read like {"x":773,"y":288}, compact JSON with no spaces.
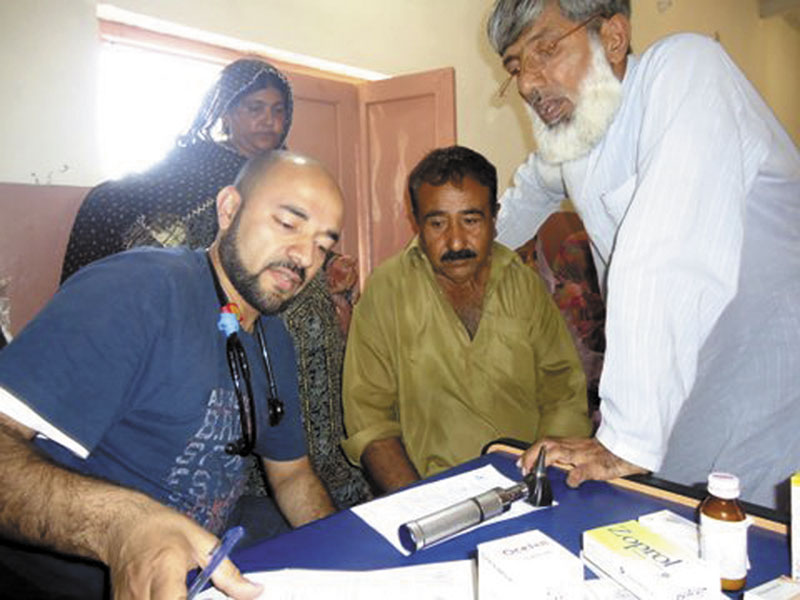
{"x":240,"y":372}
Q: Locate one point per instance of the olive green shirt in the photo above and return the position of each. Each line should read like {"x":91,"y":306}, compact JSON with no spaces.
{"x":411,"y":370}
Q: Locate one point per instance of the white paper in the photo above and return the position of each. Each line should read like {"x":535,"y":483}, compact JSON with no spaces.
{"x":385,"y":515}
{"x":453,"y":580}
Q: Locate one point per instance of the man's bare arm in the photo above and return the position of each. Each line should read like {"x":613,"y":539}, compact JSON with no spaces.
{"x":148,"y":546}
{"x":298,"y":491}
{"x":388,"y":464}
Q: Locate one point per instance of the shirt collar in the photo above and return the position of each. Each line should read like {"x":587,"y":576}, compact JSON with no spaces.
{"x":631,"y":65}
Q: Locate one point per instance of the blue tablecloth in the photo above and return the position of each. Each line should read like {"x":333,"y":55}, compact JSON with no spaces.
{"x":343,"y":541}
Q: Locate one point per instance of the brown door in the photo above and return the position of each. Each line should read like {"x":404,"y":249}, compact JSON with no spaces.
{"x":325,"y":126}
{"x":370,"y":135}
{"x":402,"y":119}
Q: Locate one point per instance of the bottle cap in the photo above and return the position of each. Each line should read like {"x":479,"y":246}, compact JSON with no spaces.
{"x":723,"y":485}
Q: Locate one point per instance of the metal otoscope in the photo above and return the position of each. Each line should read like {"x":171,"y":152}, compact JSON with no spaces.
{"x":425,"y":531}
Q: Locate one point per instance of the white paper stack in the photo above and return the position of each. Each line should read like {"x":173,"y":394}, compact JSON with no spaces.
{"x":454,"y":580}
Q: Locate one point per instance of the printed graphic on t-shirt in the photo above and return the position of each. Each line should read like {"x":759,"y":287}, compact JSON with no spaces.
{"x":205,"y":481}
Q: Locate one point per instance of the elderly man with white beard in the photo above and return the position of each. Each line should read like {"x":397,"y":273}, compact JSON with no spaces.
{"x":689,"y":189}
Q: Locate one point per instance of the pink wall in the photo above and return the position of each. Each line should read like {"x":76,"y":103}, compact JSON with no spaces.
{"x":35,"y":221}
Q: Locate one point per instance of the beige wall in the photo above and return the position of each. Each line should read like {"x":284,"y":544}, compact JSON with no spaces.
{"x":781,"y":72}
{"x":767,"y":50}
{"x":47,"y":96}
{"x":48,"y":62}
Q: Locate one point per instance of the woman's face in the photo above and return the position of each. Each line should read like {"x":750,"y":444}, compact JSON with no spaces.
{"x":257,"y":123}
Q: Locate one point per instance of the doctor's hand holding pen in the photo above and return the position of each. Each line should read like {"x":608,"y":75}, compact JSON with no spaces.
{"x":157,"y":552}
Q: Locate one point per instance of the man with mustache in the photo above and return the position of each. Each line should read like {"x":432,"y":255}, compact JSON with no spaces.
{"x":689,"y":189}
{"x":455,"y":341}
{"x":122,"y":430}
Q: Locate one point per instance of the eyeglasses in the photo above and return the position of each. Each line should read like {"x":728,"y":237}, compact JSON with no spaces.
{"x":543,"y":51}
{"x":242,"y":385}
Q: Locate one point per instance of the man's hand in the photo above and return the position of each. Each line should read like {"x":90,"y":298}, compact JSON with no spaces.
{"x":586,"y":458}
{"x":153,"y":557}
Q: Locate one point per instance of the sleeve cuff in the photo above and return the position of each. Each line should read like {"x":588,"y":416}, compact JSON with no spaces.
{"x":16,"y":409}
{"x":634,"y":453}
{"x":354,"y":445}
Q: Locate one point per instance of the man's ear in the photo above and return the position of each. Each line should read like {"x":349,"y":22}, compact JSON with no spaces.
{"x":615,"y":35}
{"x":229,"y":201}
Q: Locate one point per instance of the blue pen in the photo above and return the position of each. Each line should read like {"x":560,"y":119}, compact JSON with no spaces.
{"x":220,"y":553}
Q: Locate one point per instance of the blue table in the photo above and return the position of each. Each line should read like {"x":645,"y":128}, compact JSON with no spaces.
{"x":343,"y":541}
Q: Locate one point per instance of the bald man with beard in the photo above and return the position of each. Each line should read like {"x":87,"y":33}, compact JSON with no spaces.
{"x":122,"y":430}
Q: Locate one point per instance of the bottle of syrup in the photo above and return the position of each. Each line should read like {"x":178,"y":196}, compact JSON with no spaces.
{"x":723,"y":530}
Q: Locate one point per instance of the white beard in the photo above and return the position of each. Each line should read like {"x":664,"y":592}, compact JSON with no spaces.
{"x":599,"y":96}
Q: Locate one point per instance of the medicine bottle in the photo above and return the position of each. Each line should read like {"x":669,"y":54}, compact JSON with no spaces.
{"x":723,"y":530}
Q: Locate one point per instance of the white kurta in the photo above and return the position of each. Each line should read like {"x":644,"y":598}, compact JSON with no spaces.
{"x":692,"y":204}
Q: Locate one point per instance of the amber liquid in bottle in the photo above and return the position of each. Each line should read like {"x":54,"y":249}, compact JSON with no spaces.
{"x":714,"y":510}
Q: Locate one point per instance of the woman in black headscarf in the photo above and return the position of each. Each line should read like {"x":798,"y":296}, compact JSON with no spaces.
{"x":247,"y":112}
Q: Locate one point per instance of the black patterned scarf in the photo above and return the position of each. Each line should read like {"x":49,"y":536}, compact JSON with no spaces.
{"x":173,"y":202}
